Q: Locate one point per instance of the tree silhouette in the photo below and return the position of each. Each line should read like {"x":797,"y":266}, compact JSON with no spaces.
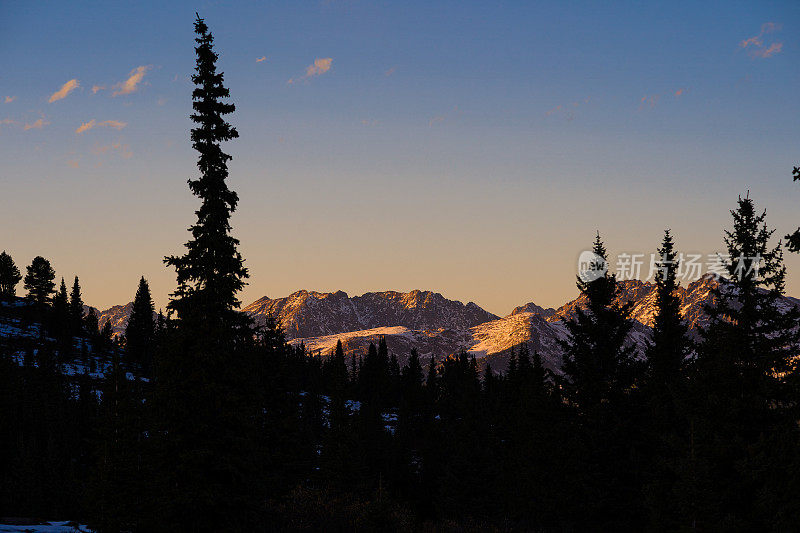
{"x":140,"y":332}
{"x":76,"y":308}
{"x":212,"y":271}
{"x":205,"y":400}
{"x":9,"y":275}
{"x":597,"y":360}
{"x":793,"y":239}
{"x":39,"y":280}
{"x":669,"y":347}
{"x":742,"y":387}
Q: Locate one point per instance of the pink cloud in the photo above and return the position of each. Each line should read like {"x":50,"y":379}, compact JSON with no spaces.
{"x":122,"y":149}
{"x":261,"y":59}
{"x":774,"y":48}
{"x":116,"y":124}
{"x":65,"y":89}
{"x":556,"y":109}
{"x":650,"y":101}
{"x":39,"y":124}
{"x":131,"y":84}
{"x":10,"y":99}
{"x":756,"y":43}
{"x":320,"y":66}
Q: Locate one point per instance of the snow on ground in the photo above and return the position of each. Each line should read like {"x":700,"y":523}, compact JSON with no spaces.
{"x":327,"y":344}
{"x":499,"y":335}
{"x":45,"y":527}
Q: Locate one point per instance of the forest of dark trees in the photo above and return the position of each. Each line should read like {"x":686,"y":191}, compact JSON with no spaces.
{"x":198,"y":420}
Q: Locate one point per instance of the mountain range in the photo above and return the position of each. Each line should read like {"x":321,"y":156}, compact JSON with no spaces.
{"x":438,"y":327}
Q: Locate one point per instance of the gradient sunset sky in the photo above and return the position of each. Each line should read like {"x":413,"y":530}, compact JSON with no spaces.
{"x":471,"y":148}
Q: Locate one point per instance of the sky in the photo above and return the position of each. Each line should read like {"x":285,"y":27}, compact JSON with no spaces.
{"x":470,"y":148}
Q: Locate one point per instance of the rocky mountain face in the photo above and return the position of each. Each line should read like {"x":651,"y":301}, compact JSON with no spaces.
{"x":313,"y":314}
{"x":541,"y":329}
{"x":118,"y":316}
{"x":438,"y":327}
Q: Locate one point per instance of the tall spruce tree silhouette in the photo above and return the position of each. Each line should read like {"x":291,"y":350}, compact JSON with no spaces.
{"x":599,"y":373}
{"x":793,"y":239}
{"x":205,"y":403}
{"x":742,"y":385}
{"x":597,"y":361}
{"x":670,"y":346}
{"x":666,"y":356}
{"x":212,"y":271}
{"x":140,"y":332}
{"x":76,"y":308}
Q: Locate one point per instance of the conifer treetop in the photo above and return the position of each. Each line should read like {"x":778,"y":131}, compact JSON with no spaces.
{"x":212,"y":271}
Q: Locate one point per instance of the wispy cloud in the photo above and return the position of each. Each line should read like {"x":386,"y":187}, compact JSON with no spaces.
{"x":37,"y":125}
{"x":97,"y":88}
{"x":756,"y":43}
{"x":122,"y":149}
{"x":261,"y":59}
{"x":320,"y":66}
{"x":554,"y":110}
{"x":65,"y":89}
{"x":389,"y":72}
{"x":131,"y":84}
{"x":447,"y":116}
{"x":680,"y":92}
{"x":774,"y":48}
{"x":116,"y":124}
{"x":649,"y":101}
{"x":10,"y":99}
{"x":6,"y":121}
{"x":73,"y":163}
{"x":367,"y":122}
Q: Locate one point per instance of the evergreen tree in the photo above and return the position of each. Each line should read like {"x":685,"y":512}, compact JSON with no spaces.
{"x":76,"y":308}
{"x":140,"y":332}
{"x":39,"y":280}
{"x":538,"y":375}
{"x":353,"y":368}
{"x":431,"y":380}
{"x":116,"y":494}
{"x":666,"y":358}
{"x":599,"y":370}
{"x":743,"y":386}
{"x":335,"y":372}
{"x":92,"y":324}
{"x":511,"y":372}
{"x":598,"y":362}
{"x":106,"y":337}
{"x":212,"y":271}
{"x":206,"y":402}
{"x":60,"y":325}
{"x":793,"y":240}
{"x":667,"y":351}
{"x":9,"y":276}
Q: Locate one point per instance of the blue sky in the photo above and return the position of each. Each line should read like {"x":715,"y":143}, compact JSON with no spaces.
{"x":467,"y":147}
